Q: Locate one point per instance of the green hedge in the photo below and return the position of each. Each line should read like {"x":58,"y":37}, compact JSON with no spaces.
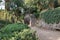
{"x":25,"y":34}
{"x":17,"y":31}
{"x":51,"y":16}
{"x":14,"y":27}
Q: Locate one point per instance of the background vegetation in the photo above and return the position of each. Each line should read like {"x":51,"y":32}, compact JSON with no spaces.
{"x":11,"y":19}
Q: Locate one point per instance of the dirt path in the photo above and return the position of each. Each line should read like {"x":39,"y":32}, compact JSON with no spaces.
{"x":46,"y":34}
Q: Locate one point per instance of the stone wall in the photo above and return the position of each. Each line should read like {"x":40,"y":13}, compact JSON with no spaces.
{"x":42,"y":24}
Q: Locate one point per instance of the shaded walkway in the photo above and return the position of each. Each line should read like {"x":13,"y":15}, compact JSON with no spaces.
{"x":44,"y":34}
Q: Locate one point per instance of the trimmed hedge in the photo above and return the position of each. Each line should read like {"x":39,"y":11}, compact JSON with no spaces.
{"x":51,"y":16}
{"x":17,"y":31}
{"x":14,"y":27}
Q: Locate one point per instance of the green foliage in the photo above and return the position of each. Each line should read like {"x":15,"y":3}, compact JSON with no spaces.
{"x":44,"y":3}
{"x":36,"y":15}
{"x":14,"y":27}
{"x":12,"y":5}
{"x":51,"y":16}
{"x":25,"y":34}
{"x":4,"y":23}
{"x":15,"y":4}
{"x":17,"y":32}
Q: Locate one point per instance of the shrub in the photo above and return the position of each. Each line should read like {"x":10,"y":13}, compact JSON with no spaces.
{"x":14,"y":27}
{"x":25,"y":32}
{"x":51,"y":16}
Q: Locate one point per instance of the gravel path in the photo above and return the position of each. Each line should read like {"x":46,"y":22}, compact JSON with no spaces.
{"x":44,"y":34}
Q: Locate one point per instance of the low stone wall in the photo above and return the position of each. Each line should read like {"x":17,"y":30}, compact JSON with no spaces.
{"x":42,"y":24}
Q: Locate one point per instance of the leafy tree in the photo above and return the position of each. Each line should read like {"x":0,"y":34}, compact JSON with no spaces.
{"x":13,"y":4}
{"x":34,"y":6}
